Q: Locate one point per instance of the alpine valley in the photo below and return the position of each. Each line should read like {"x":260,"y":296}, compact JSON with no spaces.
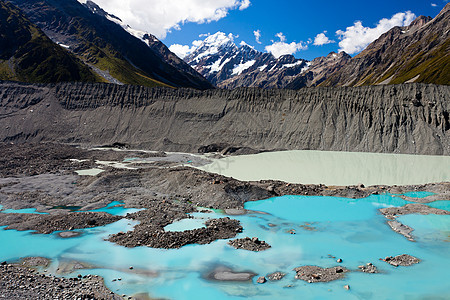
{"x":127,"y":172}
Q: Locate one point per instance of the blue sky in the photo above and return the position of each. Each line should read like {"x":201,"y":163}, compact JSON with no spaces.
{"x":299,"y":21}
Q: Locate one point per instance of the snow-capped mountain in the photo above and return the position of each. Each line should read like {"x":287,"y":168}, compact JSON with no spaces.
{"x":156,"y":46}
{"x":142,"y":35}
{"x":226,"y":65}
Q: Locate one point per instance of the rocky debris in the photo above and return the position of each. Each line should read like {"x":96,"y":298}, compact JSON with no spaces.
{"x":368,"y":268}
{"x":145,"y":234}
{"x":144,"y":188}
{"x":276,"y":276}
{"x":212,"y":148}
{"x":404,"y":260}
{"x":317,"y":274}
{"x":49,"y":223}
{"x":17,"y":283}
{"x":251,"y":244}
{"x":402,"y":229}
{"x":226,"y":274}
{"x":35,"y":262}
{"x":261,"y":280}
{"x":412,"y":208}
{"x":392,"y":213}
{"x":39,"y":158}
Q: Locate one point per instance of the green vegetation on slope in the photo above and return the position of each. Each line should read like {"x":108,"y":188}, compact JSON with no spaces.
{"x":433,"y":67}
{"x":27,"y":54}
{"x":99,"y":53}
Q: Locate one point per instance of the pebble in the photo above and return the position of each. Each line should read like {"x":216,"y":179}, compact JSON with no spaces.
{"x":261,"y":280}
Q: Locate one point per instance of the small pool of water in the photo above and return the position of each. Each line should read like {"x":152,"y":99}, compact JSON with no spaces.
{"x":350,"y":229}
{"x":90,"y":172}
{"x":23,"y":211}
{"x":420,"y":194}
{"x":70,"y":208}
{"x":196,"y":220}
{"x":116,"y":208}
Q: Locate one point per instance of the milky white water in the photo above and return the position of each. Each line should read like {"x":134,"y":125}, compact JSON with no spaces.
{"x":335,"y":168}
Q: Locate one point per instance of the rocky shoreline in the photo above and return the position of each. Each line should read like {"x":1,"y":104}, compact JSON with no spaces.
{"x":18,"y":282}
{"x":43,"y":176}
{"x":251,"y":244}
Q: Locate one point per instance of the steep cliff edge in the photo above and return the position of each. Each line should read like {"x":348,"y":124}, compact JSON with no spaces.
{"x":409,"y":118}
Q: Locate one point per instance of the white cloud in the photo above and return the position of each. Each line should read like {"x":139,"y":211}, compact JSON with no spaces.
{"x":433,"y":4}
{"x":282,"y":48}
{"x":322,"y":39}
{"x":244,"y":4}
{"x":280,"y":36}
{"x":355,"y":38}
{"x":257,"y":34}
{"x":161,"y":16}
{"x":184,"y":50}
{"x":181,"y":50}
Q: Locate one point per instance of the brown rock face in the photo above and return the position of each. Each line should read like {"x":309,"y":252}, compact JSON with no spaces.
{"x":319,"y":70}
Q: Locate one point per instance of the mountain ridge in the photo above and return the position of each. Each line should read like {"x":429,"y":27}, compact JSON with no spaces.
{"x":105,"y":46}
{"x":419,"y":52}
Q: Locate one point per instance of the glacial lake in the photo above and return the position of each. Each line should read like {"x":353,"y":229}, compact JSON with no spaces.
{"x":326,"y":228}
{"x":335,"y":168}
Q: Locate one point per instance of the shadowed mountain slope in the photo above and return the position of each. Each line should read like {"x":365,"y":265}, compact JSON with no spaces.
{"x":27,"y":54}
{"x":114,"y":53}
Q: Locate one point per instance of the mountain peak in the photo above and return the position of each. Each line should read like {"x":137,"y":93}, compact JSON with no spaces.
{"x":419,"y":22}
{"x":219,"y":39}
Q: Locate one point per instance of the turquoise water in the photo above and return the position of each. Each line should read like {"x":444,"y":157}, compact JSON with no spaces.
{"x":418,"y":194}
{"x":116,"y":208}
{"x":198,"y":221}
{"x":445,"y":205}
{"x":23,"y":211}
{"x":350,"y":229}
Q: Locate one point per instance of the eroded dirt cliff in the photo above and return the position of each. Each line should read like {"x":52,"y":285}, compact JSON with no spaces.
{"x":409,"y":118}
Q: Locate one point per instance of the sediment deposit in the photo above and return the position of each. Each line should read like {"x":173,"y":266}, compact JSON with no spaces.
{"x":409,"y":118}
